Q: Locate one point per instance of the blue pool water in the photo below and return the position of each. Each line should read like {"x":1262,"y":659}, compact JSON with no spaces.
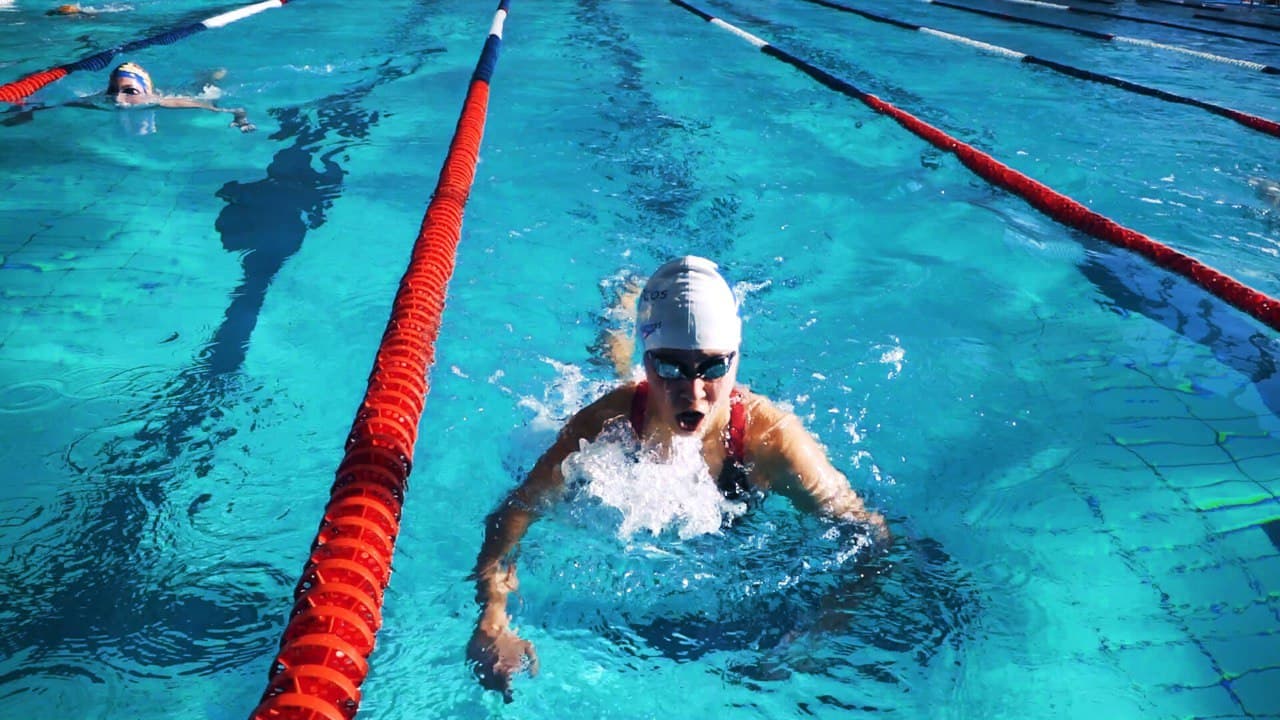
{"x":1079,"y":454}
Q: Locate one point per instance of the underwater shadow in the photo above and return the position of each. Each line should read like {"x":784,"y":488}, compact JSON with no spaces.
{"x":168,"y":623}
{"x":887,"y":613}
{"x":1130,"y":285}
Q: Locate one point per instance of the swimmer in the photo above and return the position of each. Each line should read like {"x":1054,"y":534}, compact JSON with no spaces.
{"x":86,"y":10}
{"x":129,"y":84}
{"x":71,"y":10}
{"x":1268,"y":190}
{"x":688,"y":324}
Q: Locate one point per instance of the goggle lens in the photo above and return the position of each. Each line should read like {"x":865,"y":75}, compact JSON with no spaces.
{"x":712,"y":369}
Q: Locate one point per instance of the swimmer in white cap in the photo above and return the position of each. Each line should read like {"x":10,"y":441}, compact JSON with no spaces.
{"x":688,"y":325}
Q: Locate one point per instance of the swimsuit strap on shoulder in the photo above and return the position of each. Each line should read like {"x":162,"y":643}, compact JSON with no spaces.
{"x":737,"y":428}
{"x":639,"y":402}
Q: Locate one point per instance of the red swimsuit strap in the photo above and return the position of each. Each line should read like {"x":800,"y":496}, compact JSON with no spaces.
{"x":639,"y":402}
{"x":735,"y":444}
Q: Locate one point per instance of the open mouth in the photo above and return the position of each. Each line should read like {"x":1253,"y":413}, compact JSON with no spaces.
{"x":689,"y":420}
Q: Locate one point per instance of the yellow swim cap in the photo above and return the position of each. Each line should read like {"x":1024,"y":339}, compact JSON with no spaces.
{"x":131,"y":70}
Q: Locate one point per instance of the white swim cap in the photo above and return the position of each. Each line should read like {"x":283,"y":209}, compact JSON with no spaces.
{"x":686,"y":305}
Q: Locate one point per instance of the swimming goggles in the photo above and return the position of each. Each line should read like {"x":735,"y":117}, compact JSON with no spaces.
{"x":711,"y":369}
{"x":126,"y":91}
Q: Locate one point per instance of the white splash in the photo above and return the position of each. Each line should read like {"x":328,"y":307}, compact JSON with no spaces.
{"x":568,"y":393}
{"x":893,"y":357}
{"x":655,"y":490}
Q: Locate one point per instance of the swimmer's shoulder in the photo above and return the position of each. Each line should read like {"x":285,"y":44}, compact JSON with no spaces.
{"x":760,"y":409}
{"x":767,"y":423}
{"x":590,"y":420}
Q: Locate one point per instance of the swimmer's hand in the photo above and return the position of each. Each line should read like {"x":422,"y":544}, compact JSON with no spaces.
{"x":498,"y":654}
{"x":239,"y":119}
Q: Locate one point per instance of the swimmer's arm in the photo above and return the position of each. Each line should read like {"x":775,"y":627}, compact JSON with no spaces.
{"x":619,"y":341}
{"x":239,"y":118}
{"x":796,"y":465}
{"x":497,"y":652}
{"x":495,"y":577}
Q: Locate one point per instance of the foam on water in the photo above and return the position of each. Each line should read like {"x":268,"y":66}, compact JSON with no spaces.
{"x":657,"y":490}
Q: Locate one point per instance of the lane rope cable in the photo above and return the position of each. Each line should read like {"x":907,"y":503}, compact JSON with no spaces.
{"x":1134,"y":18}
{"x":324,"y":652}
{"x":1242,"y":23}
{"x":1254,"y":122}
{"x":1055,"y":205}
{"x":1108,"y":37}
{"x":17,"y":90}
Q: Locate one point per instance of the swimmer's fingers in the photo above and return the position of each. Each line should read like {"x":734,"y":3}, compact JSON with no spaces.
{"x":514,"y":655}
{"x":530,"y":660}
{"x":241,"y":120}
{"x":498,"y":658}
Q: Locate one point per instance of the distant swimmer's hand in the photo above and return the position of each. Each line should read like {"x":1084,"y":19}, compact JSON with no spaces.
{"x":241,"y":120}
{"x":499,"y":655}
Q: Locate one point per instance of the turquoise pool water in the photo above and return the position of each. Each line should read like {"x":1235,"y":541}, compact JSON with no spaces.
{"x":1079,"y":454}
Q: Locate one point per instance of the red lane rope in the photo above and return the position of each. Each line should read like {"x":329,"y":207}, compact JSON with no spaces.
{"x":1040,"y":196}
{"x":332,"y":629}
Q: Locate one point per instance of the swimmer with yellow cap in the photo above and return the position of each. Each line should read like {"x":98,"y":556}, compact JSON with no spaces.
{"x":688,"y":326}
{"x":130,"y":84}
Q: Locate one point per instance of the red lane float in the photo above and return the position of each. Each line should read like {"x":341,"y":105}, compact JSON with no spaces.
{"x":337,"y":611}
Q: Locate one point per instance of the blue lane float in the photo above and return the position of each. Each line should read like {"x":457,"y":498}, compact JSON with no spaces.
{"x":1253,"y":122}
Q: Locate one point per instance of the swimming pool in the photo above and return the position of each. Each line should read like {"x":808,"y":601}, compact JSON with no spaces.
{"x":1078,"y":453}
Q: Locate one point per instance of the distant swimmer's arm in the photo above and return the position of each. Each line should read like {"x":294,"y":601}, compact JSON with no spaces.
{"x":239,"y":119}
{"x":796,"y":465}
{"x":497,"y":651}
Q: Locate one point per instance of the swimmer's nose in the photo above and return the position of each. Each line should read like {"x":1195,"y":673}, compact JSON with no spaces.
{"x":695,"y":389}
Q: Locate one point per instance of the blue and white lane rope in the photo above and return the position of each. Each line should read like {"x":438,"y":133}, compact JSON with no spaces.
{"x":1043,"y":198}
{"x":17,"y":90}
{"x":1254,"y":122}
{"x":1109,"y":37}
{"x":1134,"y":18}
